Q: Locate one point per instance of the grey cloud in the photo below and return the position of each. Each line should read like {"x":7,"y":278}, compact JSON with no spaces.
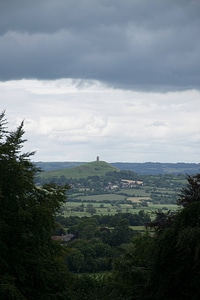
{"x":158,"y":124}
{"x":132,"y":44}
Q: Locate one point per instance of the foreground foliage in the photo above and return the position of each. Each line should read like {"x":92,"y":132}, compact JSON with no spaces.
{"x":31,"y":262}
{"x":175,"y":263}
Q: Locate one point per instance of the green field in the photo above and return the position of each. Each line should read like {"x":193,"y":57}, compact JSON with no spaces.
{"x":135,"y":192}
{"x":102,"y":197}
{"x":71,"y":208}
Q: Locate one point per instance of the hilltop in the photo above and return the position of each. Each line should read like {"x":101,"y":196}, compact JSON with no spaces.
{"x":95,"y":168}
{"x":147,"y":168}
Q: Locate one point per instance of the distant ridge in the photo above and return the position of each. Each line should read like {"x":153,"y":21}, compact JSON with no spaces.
{"x":156,"y":168}
{"x":95,"y":168}
{"x":147,"y":168}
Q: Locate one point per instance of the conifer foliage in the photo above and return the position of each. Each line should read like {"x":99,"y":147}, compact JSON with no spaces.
{"x":31,"y":265}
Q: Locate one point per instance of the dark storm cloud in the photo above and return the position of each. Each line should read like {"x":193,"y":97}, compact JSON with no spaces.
{"x":128,"y":44}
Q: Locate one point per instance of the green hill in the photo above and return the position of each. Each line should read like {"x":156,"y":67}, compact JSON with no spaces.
{"x":96,"y":168}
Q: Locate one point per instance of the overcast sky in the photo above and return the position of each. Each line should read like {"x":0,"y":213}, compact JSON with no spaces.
{"x":115,"y":78}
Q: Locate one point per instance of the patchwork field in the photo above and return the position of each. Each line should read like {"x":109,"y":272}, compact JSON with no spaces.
{"x":100,"y":188}
{"x":100,"y":208}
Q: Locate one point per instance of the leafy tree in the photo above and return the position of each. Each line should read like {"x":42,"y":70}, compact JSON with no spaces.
{"x":191,"y":192}
{"x":121,"y":234}
{"x":31,"y":262}
{"x":162,"y":220}
{"x":92,"y":287}
{"x":175,"y":254}
{"x":90,"y":209}
{"x":130,"y":273}
{"x":75,"y":260}
{"x":89,"y":256}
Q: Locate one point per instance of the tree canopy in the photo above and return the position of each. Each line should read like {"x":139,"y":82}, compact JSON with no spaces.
{"x":190,"y":193}
{"x":175,"y":255}
{"x":31,"y":264}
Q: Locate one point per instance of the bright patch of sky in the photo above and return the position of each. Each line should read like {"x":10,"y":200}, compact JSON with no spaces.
{"x":72,"y":120}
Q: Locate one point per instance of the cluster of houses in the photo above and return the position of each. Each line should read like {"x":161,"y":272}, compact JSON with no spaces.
{"x":64,"y":238}
{"x":125,"y":183}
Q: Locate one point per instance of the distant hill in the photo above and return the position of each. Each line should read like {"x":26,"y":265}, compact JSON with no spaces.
{"x":151,"y":168}
{"x":147,"y":168}
{"x":96,"y":168}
